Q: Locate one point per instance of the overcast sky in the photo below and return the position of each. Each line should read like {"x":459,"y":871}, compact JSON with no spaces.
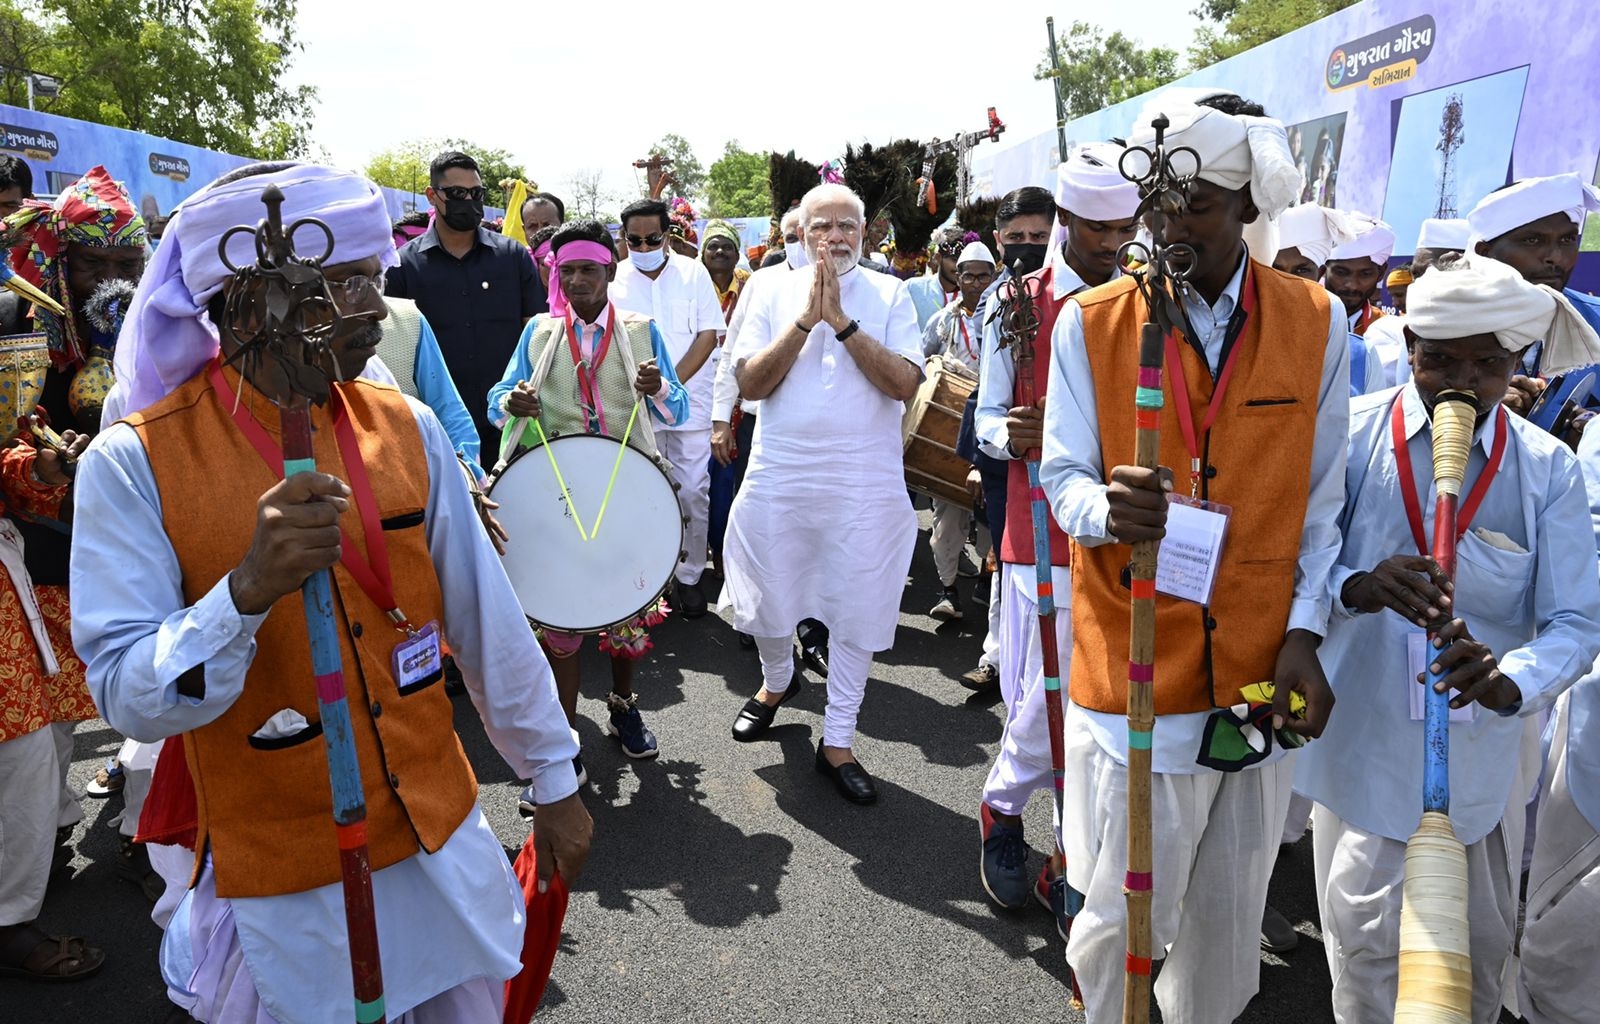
{"x":572,"y":86}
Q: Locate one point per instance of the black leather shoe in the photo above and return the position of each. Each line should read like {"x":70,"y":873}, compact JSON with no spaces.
{"x":815,"y":657}
{"x":691,"y":602}
{"x":755,"y":718}
{"x":852,"y":780}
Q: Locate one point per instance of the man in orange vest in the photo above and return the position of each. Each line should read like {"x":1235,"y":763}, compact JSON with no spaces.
{"x":1254,"y":421}
{"x":188,"y":566}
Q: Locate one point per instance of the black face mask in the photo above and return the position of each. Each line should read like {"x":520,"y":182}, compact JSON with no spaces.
{"x":463,"y":214}
{"x":1030,"y":254}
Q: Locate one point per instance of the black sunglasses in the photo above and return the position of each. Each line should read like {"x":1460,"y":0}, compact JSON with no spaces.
{"x":458,"y":192}
{"x":648,"y":240}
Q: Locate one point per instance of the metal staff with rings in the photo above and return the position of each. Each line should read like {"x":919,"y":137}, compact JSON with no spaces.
{"x":1161,"y":271}
{"x":282,"y":311}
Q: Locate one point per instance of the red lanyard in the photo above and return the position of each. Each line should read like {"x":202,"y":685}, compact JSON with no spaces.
{"x":1368,"y":315}
{"x":1408,"y":483}
{"x":587,"y":371}
{"x":1180,"y":383}
{"x":966,"y":337}
{"x":374,"y":578}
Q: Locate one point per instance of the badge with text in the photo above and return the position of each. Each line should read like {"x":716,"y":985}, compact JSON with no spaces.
{"x":1186,"y":564}
{"x":1418,"y":653}
{"x":418,"y":660}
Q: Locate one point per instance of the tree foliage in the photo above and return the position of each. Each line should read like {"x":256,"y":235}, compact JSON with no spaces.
{"x":405,"y":166}
{"x":1238,"y":25}
{"x":686,"y":168}
{"x":736,"y":184}
{"x":206,"y":72}
{"x":1098,"y":70}
{"x":588,"y":198}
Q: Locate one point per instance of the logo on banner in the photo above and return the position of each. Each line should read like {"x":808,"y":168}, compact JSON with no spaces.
{"x":174,"y":167}
{"x":30,"y":142}
{"x":1382,"y":58}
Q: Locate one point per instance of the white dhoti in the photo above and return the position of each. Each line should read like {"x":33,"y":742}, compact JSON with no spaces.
{"x":1023,"y":766}
{"x":991,"y":638}
{"x":1557,"y":981}
{"x":68,"y":810}
{"x":1359,"y":883}
{"x":29,"y":809}
{"x":1215,"y":838}
{"x":689,"y":451}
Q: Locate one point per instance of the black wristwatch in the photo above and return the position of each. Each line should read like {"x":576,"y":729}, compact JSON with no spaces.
{"x":845,"y":334}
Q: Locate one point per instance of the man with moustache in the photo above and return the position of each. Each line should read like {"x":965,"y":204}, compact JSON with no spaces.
{"x":476,"y":287}
{"x":823,"y":527}
{"x":1272,"y":450}
{"x":1307,"y":235}
{"x":1356,"y":267}
{"x":189,"y":617}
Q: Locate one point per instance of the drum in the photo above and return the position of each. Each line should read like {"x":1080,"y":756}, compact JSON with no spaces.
{"x":24,"y":359}
{"x":932,"y":421}
{"x":595,"y":528}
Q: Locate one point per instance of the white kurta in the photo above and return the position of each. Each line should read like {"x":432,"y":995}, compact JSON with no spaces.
{"x":822,"y":527}
{"x":683,"y":302}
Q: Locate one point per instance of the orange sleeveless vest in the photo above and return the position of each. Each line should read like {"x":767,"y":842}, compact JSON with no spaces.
{"x":1256,"y":459}
{"x":265,"y":806}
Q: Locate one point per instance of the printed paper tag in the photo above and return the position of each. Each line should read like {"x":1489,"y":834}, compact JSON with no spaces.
{"x":417,"y":658}
{"x":1186,"y":564}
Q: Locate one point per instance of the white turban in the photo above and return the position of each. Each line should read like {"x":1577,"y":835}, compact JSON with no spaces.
{"x":166,"y":339}
{"x":1373,"y":241}
{"x":1529,"y":200}
{"x":1234,"y":150}
{"x":1089,"y":185}
{"x":1444,"y":234}
{"x":1469,"y":294}
{"x":975,"y":252}
{"x":1313,"y":230}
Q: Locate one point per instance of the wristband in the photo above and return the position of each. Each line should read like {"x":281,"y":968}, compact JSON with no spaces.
{"x":845,"y":334}
{"x":803,"y":328}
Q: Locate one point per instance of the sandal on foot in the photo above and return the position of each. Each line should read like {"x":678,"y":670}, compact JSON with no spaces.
{"x":34,"y":956}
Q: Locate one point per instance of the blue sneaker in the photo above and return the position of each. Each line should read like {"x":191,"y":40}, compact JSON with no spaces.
{"x":526,"y":804}
{"x":625,"y":723}
{"x":1056,"y":896}
{"x":1003,"y":868}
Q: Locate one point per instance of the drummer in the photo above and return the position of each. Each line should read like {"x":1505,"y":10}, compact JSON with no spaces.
{"x":955,"y":334}
{"x":549,"y":380}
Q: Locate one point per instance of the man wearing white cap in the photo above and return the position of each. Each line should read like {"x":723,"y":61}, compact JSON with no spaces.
{"x":1535,"y":226}
{"x":1307,"y":234}
{"x":1521,"y":623}
{"x":1436,"y":239}
{"x":1272,"y":451}
{"x":955,"y":334}
{"x":172,"y":618}
{"x":1095,"y":205}
{"x":1356,"y":268}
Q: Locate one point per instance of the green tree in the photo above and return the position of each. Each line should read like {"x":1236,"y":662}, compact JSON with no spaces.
{"x":206,"y":72}
{"x":686,"y":169}
{"x":736,"y":184}
{"x":405,"y":166}
{"x":1098,"y":70}
{"x":1238,"y":25}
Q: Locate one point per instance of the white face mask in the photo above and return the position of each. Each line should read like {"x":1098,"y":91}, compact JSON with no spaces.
{"x":648,"y":261}
{"x":795,"y":253}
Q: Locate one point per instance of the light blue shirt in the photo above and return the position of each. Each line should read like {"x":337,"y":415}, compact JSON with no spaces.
{"x":1583,"y":704}
{"x":442,"y":918}
{"x":927,"y":296}
{"x":1074,"y":479}
{"x":1537,"y":608}
{"x":438,"y":392}
{"x":668,"y":406}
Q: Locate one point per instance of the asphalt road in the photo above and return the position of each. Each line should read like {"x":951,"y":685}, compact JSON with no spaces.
{"x":729,"y":882}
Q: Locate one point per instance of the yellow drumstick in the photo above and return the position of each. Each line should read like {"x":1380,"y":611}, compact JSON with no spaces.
{"x":627,"y":433}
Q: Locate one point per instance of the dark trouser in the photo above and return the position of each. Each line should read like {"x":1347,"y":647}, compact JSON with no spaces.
{"x":725,"y":483}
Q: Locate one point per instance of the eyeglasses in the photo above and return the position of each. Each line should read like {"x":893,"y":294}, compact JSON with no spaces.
{"x":354,"y":289}
{"x":647,"y":242}
{"x":846,"y":226}
{"x":981,"y":277}
{"x":459,"y":192}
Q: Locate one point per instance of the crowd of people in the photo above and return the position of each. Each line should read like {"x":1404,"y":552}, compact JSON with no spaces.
{"x":770,"y":385}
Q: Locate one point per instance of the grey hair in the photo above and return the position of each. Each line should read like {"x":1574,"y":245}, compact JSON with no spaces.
{"x":791,"y":219}
{"x":828,"y":193}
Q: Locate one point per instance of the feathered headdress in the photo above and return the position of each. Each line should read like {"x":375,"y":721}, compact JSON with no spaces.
{"x":978,"y":216}
{"x":788,"y":179}
{"x":913,"y":223}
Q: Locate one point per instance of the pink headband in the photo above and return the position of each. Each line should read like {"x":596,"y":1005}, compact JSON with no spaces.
{"x":572,"y":252}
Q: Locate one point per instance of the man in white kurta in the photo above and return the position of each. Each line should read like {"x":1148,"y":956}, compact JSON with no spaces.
{"x":676,"y":292}
{"x":1557,"y":982}
{"x":1525,"y":620}
{"x":822,"y":527}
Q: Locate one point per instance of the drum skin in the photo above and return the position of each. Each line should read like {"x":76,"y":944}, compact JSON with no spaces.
{"x":563,"y":581}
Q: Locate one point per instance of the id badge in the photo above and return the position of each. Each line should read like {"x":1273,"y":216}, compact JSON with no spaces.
{"x":1191,"y":551}
{"x":418,"y":659}
{"x":1418,"y":653}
